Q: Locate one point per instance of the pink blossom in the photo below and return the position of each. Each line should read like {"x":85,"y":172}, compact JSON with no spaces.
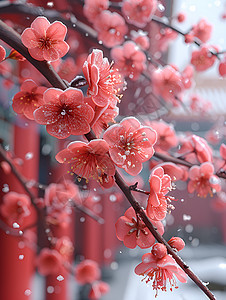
{"x":28,"y":99}
{"x":67,"y":69}
{"x":181,"y":17}
{"x":2,"y":53}
{"x":129,"y":59}
{"x":65,"y":247}
{"x":199,"y":105}
{"x":166,"y":136}
{"x":160,"y":185}
{"x":222,"y":67}
{"x":57,"y":200}
{"x":202,"y":30}
{"x":133,"y":232}
{"x":164,"y":37}
{"x":49,"y":262}
{"x":45,"y":41}
{"x":140,"y":38}
{"x":177,"y":243}
{"x":98,"y":289}
{"x":203,"y":59}
{"x":93,"y":8}
{"x":139,"y":12}
{"x":160,"y":269}
{"x":15,"y":207}
{"x":64,"y":113}
{"x":203,"y":180}
{"x":111,"y":28}
{"x":103,"y":80}
{"x":130,"y":144}
{"x":88,"y":160}
{"x":87,"y":271}
{"x":195,"y":148}
{"x":167,"y":83}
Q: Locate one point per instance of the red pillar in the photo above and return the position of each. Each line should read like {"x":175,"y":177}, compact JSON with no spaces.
{"x":16,"y":274}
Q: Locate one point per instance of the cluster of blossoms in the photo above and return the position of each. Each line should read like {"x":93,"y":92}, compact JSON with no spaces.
{"x":125,"y":145}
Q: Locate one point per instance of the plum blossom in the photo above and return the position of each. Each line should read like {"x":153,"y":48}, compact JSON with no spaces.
{"x":49,"y":261}
{"x":195,"y":148}
{"x":164,"y":37}
{"x":111,"y":28}
{"x":202,"y":30}
{"x":181,"y":17}
{"x":28,"y":99}
{"x":203,"y":180}
{"x":129,"y":59}
{"x":222,"y":67}
{"x":98,"y":289}
{"x":175,"y":171}
{"x":130,"y":144}
{"x":104,"y":81}
{"x":87,"y":271}
{"x":64,"y":113}
{"x":187,"y":76}
{"x":45,"y":41}
{"x":167,"y":83}
{"x":161,"y":268}
{"x":140,"y":38}
{"x":57,"y":197}
{"x":139,"y":12}
{"x":15,"y":207}
{"x":88,"y":160}
{"x":160,"y":185}
{"x":166,"y":135}
{"x":203,"y":59}
{"x":65,"y":247}
{"x":133,"y":232}
{"x":93,"y":8}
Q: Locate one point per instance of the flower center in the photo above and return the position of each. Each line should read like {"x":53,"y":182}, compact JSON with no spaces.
{"x":45,"y":43}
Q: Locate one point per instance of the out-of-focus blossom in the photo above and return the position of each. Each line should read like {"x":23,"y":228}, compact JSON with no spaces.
{"x":88,"y":160}
{"x":93,"y":8}
{"x":160,"y":268}
{"x":222,"y":67}
{"x":187,"y":76}
{"x":202,"y":30}
{"x":160,"y":185}
{"x":49,"y":262}
{"x":223,"y":151}
{"x":104,"y":81}
{"x":141,"y":39}
{"x":164,"y":37}
{"x":64,"y":113}
{"x":130,"y":144}
{"x":45,"y":41}
{"x":181,"y":17}
{"x":129,"y":59}
{"x":111,"y":28}
{"x":199,"y":105}
{"x":195,"y":148}
{"x":167,"y":83}
{"x":28,"y":99}
{"x":139,"y":12}
{"x":203,"y":180}
{"x":98,"y":289}
{"x":166,"y":135}
{"x":133,"y":232}
{"x":15,"y":207}
{"x":65,"y":247}
{"x":203,"y":59}
{"x":87,"y":271}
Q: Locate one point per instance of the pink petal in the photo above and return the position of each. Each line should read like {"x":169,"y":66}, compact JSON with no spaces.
{"x":130,"y":124}
{"x":64,"y":156}
{"x":36,"y":53}
{"x":99,"y":146}
{"x":155,"y":183}
{"x":130,"y":241}
{"x":56,"y":31}
{"x":145,"y":241}
{"x":106,"y":164}
{"x":52,"y":96}
{"x":60,"y":129}
{"x":40,"y":24}
{"x":30,"y":39}
{"x":71,"y":96}
{"x":28,"y":85}
{"x":47,"y":114}
{"x":130,"y":213}
{"x":153,"y":199}
{"x":50,"y":54}
{"x":121,"y":228}
{"x":62,"y":48}
{"x":158,"y":172}
{"x":194,"y":173}
{"x":79,"y":126}
{"x":207,"y":169}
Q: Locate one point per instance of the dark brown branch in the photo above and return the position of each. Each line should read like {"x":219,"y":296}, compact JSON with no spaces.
{"x":4,"y":31}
